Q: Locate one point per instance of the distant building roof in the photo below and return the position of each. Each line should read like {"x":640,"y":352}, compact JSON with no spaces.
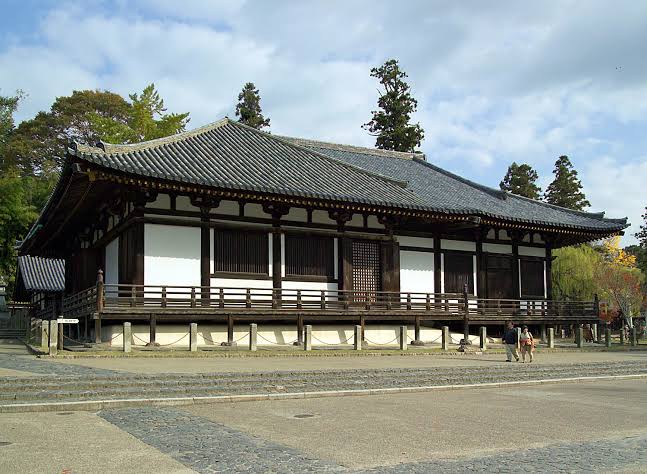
{"x":41,"y":274}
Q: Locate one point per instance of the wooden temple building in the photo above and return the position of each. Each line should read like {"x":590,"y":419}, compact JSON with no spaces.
{"x":228,"y":224}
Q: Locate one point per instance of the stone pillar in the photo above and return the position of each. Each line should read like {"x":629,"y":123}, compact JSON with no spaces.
{"x":127,"y":337}
{"x":253,"y":334}
{"x":44,"y":336}
{"x":483,"y":338}
{"x":358,"y":338}
{"x":579,"y":336}
{"x":445,"y":338}
{"x":307,"y":338}
{"x":61,"y":334}
{"x":53,"y":336}
{"x":594,"y":330}
{"x":518,"y":329}
{"x":551,"y":338}
{"x":607,"y":337}
{"x":193,"y":337}
{"x":634,"y":336}
{"x":622,"y":335}
{"x":403,"y":338}
{"x":543,"y":333}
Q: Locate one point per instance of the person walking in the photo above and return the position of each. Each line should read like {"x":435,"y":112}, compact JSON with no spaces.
{"x":510,"y":341}
{"x":527,"y":344}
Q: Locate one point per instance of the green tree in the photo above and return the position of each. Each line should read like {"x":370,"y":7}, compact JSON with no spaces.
{"x":640,"y":252}
{"x":249,"y":107}
{"x":641,"y":235}
{"x":16,"y":215}
{"x":521,"y":179}
{"x":391,"y":124}
{"x":148,"y":118}
{"x":574,"y":271}
{"x":8,"y":106}
{"x":566,"y":189}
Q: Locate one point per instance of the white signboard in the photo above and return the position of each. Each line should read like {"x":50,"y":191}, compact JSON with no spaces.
{"x":67,"y":321}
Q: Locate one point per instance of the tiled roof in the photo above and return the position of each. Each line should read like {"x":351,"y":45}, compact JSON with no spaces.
{"x":41,"y":274}
{"x":446,"y":192}
{"x":230,"y":155}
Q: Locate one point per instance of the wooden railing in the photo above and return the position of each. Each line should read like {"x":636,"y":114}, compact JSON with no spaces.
{"x":106,"y":298}
{"x":82,"y":304}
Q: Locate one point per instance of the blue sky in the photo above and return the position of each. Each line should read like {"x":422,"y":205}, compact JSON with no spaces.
{"x":496,"y":82}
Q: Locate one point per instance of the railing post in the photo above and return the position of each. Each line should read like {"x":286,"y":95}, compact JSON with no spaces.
{"x":61,"y":342}
{"x":579,"y":336}
{"x":323,"y":299}
{"x":607,"y":336}
{"x":389,"y":306}
{"x":596,"y":335}
{"x":193,"y":337}
{"x":248,"y":298}
{"x":44,"y":335}
{"x":53,"y":336}
{"x":163,"y":297}
{"x":100,"y":291}
{"x":403,"y":338}
{"x":408,"y":301}
{"x":551,"y":337}
{"x":367,"y":302}
{"x":133,"y":296}
{"x":307,"y":339}
{"x":483,"y":338}
{"x":193,"y":297}
{"x":445,"y":338}
{"x":427,"y":303}
{"x":221,"y":298}
{"x":126,"y":336}
{"x":253,"y":332}
{"x":466,"y":317}
{"x":357,"y":342}
{"x":276,"y":298}
{"x":299,"y":301}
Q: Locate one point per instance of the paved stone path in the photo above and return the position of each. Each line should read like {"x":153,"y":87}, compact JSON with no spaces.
{"x":209,"y":447}
{"x":37,"y":366}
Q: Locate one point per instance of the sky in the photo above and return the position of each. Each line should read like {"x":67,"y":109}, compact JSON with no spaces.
{"x":496,"y":82}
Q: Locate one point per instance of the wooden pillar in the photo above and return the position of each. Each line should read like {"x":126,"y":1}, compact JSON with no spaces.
{"x":549,"y":275}
{"x":152,"y":331}
{"x":230,"y":330}
{"x":416,"y":330}
{"x":277,"y":270}
{"x":437,"y":267}
{"x":516,"y":237}
{"x":345,"y":267}
{"x":97,"y":330}
{"x":205,"y":260}
{"x":390,"y":259}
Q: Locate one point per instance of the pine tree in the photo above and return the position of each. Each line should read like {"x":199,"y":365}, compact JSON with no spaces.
{"x":520,"y":179}
{"x":249,"y":108}
{"x":391,"y":124}
{"x":641,"y":235}
{"x":566,"y":189}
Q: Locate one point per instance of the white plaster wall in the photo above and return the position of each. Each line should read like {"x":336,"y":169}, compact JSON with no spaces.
{"x":491,"y":234}
{"x":321,"y":217}
{"x":406,"y":241}
{"x":255,"y":210}
{"x":458,"y":245}
{"x":503,"y":235}
{"x":537,"y":239}
{"x":373,"y":223}
{"x":163,"y":201}
{"x":111,"y":275}
{"x":356,"y":221}
{"x":297,"y":214}
{"x":171,"y":255}
{"x":230,"y":208}
{"x":532,"y":251}
{"x":183,"y":203}
{"x":416,"y":272}
{"x":177,"y":335}
{"x":497,"y":248}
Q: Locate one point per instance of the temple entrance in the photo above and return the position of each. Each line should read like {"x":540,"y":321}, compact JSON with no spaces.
{"x":499,"y":276}
{"x":366,"y":268}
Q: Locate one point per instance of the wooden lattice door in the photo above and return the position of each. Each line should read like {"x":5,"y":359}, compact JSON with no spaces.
{"x":366,"y":269}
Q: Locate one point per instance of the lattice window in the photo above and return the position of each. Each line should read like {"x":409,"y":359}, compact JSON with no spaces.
{"x":366,"y":268}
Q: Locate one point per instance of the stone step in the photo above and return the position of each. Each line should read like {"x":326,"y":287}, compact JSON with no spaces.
{"x":297,"y":382}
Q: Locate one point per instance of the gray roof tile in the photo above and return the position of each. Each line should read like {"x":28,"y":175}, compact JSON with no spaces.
{"x":42,"y":274}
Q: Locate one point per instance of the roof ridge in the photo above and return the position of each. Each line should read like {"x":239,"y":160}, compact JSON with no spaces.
{"x":286,"y":141}
{"x":405,"y":155}
{"x":593,"y":215}
{"x":105,"y":147}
